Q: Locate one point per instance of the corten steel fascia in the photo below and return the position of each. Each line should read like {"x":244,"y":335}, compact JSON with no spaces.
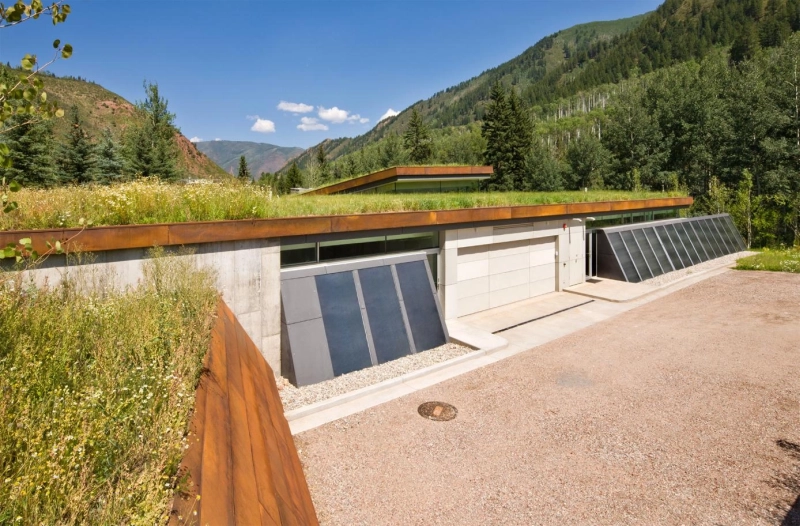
{"x":98,"y":239}
{"x":400,"y":171}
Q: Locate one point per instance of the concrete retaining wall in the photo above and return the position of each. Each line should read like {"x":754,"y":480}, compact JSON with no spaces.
{"x":247,"y":274}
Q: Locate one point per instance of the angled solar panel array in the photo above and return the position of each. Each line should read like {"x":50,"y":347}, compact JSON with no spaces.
{"x":643,"y":251}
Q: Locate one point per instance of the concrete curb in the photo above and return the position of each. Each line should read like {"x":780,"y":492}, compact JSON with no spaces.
{"x":458,"y":335}
{"x":655,"y":289}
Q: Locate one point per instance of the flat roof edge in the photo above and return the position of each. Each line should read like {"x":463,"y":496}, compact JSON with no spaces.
{"x":120,"y":237}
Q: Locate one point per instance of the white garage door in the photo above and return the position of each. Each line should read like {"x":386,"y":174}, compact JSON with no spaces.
{"x":502,"y":273}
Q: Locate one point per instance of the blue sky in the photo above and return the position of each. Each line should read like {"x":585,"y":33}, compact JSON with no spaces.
{"x":226,"y":66}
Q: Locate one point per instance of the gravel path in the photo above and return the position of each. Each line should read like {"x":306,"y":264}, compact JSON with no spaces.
{"x":294,"y":397}
{"x":685,"y":410}
{"x":675,"y":275}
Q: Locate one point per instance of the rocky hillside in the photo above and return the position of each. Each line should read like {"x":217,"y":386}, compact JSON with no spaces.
{"x":102,"y":109}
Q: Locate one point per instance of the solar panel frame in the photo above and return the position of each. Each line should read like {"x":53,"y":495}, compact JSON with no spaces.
{"x":672,"y":252}
{"x":636,"y":255}
{"x":697,"y":243}
{"x":647,"y":251}
{"x":672,"y":230}
{"x":658,"y":248}
{"x":715,"y":245}
{"x":623,"y":257}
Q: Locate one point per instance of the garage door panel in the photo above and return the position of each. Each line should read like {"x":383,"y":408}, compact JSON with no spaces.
{"x":509,"y":279}
{"x":543,"y":244}
{"x":543,"y":257}
{"x":473,"y":287}
{"x":508,"y":263}
{"x":506,"y":296}
{"x":542,"y":272}
{"x":472,"y":270}
{"x":543,"y":286}
{"x":498,"y":250}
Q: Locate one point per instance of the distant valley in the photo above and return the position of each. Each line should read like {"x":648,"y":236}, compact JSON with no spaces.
{"x":261,"y":157}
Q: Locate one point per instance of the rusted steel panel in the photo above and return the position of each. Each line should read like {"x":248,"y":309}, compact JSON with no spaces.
{"x":355,"y":223}
{"x":144,"y":236}
{"x":241,"y":458}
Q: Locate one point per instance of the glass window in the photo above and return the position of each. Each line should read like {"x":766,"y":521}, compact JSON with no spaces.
{"x":352,"y":248}
{"x":410,"y":242}
{"x":299,"y":254}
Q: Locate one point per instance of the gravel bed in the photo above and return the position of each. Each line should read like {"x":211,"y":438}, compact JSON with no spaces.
{"x":669,"y":277}
{"x":294,"y":397}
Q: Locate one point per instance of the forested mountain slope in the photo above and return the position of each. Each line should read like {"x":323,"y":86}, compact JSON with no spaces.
{"x":463,"y":103}
{"x":585,"y":57}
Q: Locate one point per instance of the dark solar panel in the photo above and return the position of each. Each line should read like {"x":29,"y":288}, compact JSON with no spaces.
{"x":344,"y":327}
{"x":681,"y":243}
{"x":636,"y":255}
{"x":672,"y":252}
{"x":711,"y":240}
{"x":734,"y":233}
{"x":731,"y":244}
{"x":698,"y":245}
{"x":383,"y":310}
{"x":628,"y":269}
{"x":423,"y":316}
{"x":658,"y":249}
{"x":647,"y":251}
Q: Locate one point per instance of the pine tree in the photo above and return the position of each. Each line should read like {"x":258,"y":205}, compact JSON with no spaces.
{"x":294,"y":178}
{"x":322,"y":164}
{"x":109,"y":163}
{"x":150,"y":147}
{"x":77,"y":155}
{"x":496,"y":130}
{"x":520,"y":137}
{"x":32,"y":150}
{"x":390,"y":153}
{"x":417,"y":140}
{"x":244,"y":171}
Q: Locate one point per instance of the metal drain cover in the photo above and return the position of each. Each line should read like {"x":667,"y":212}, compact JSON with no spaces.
{"x":438,"y":411}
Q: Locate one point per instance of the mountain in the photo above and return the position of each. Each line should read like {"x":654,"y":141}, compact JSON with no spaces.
{"x":463,"y":103}
{"x":261,"y":157}
{"x":585,"y":57}
{"x":102,"y":109}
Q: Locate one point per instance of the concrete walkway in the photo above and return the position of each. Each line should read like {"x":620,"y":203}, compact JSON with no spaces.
{"x":555,"y":315}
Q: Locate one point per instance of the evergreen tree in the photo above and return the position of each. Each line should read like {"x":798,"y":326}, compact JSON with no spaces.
{"x":520,"y":137}
{"x":77,"y":155}
{"x":31,"y":148}
{"x":496,"y":131}
{"x":244,"y":171}
{"x":322,"y":164}
{"x":589,"y":162}
{"x":294,"y":178}
{"x":109,"y":165}
{"x":150,"y":147}
{"x":417,"y":140}
{"x":390,"y":153}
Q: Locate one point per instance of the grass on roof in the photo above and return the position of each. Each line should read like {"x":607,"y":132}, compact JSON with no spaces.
{"x":148,"y":202}
{"x":96,"y":392}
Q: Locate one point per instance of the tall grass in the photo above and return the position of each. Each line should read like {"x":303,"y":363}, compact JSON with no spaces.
{"x":780,"y":260}
{"x":96,"y":391}
{"x":150,"y":201}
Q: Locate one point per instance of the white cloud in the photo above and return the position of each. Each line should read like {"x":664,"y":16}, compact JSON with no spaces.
{"x":389,"y":113}
{"x":217,"y":139}
{"x":311,"y":124}
{"x":334,"y":115}
{"x":261,"y":125}
{"x":295,"y":107}
{"x":357,"y":118}
{"x":195,"y":139}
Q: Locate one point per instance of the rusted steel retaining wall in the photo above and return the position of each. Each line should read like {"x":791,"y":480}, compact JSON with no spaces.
{"x":241,"y":459}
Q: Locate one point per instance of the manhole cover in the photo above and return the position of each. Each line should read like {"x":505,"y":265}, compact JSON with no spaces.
{"x":438,"y":411}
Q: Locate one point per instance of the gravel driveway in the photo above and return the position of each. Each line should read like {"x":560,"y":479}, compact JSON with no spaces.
{"x":683,"y":411}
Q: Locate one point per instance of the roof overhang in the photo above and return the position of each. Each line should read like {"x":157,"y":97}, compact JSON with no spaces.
{"x":407,"y":174}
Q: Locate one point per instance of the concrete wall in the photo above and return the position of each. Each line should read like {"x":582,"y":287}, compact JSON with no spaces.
{"x":487,"y":266}
{"x":247,"y":274}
